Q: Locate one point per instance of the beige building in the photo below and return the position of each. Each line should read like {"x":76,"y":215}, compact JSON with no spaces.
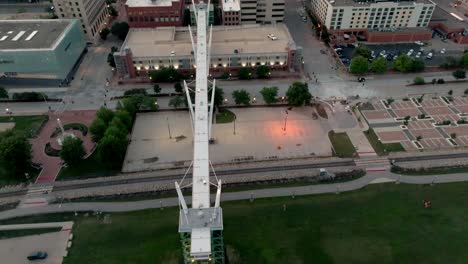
{"x":261,"y":11}
{"x":91,"y":13}
{"x":361,"y":14}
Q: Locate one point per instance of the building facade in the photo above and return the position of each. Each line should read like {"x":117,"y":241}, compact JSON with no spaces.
{"x":233,"y":47}
{"x":362,"y":14}
{"x":40,"y":49}
{"x":92,"y":14}
{"x":231,"y":12}
{"x":261,"y":11}
{"x":154,"y":13}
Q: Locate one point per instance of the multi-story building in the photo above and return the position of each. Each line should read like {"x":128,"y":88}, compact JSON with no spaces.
{"x":154,"y":13}
{"x":40,"y":50}
{"x":231,"y":13}
{"x":261,"y":11}
{"x":93,"y":14}
{"x":372,"y":14}
{"x":233,"y":47}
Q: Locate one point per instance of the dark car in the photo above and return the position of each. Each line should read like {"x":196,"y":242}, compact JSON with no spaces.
{"x":37,"y":255}
{"x":361,"y":79}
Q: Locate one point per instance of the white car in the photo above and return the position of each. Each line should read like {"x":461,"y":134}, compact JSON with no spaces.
{"x":272,"y":37}
{"x":420,"y":43}
{"x":418,"y":55}
{"x":409,"y":53}
{"x":429,"y":56}
{"x":443,"y":51}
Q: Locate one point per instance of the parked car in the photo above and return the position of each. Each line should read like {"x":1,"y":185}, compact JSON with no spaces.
{"x":420,"y":43}
{"x":338,"y":49}
{"x":361,"y":79}
{"x":442,"y":51}
{"x":444,"y":39}
{"x":304,"y":19}
{"x":37,"y":255}
{"x":272,"y":37}
{"x":429,"y":56}
{"x":418,"y":55}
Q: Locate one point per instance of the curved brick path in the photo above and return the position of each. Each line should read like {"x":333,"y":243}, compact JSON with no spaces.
{"x":51,"y":165}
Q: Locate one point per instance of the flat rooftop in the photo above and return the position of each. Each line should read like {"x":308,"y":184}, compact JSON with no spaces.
{"x":146,"y":3}
{"x":31,"y":34}
{"x":246,"y":39}
{"x":366,"y":3}
{"x":231,"y":5}
{"x":442,"y":16}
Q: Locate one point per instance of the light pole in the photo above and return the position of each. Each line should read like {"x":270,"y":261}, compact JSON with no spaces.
{"x":168,"y":128}
{"x":285,"y":120}
{"x":234,"y":132}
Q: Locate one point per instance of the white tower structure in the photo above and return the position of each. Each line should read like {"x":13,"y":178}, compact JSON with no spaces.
{"x":201,"y":226}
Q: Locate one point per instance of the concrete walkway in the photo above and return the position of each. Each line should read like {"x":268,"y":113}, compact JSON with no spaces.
{"x":370,"y":178}
{"x":64,"y":225}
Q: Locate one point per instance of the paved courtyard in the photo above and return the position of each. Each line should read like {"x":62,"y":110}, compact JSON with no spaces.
{"x":258,"y":135}
{"x":432,"y":122}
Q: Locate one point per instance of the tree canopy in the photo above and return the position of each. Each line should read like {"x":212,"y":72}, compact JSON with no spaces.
{"x":363,"y":51}
{"x":403,"y":63}
{"x":97,"y":129}
{"x":269,"y":94}
{"x":105,"y":114}
{"x":245,"y":73}
{"x":120,"y":29}
{"x":72,"y":150}
{"x":298,"y":94}
{"x":15,"y":153}
{"x":359,"y":65}
{"x":263,"y":72}
{"x":3,"y":92}
{"x":241,"y":97}
{"x":104,"y":33}
{"x":459,"y":74}
{"x":176,"y":102}
{"x":379,"y":65}
{"x":165,"y":74}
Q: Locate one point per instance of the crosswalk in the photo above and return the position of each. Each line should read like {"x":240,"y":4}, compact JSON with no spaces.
{"x":374,"y":165}
{"x":39,"y":190}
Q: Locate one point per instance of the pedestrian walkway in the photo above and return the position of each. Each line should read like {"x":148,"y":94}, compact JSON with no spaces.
{"x":370,"y":178}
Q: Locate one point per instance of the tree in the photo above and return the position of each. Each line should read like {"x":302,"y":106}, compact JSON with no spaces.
{"x":165,"y":74}
{"x":135,"y":91}
{"x":379,"y":65}
{"x":111,"y":150}
{"x":186,"y":18}
{"x":97,"y":129}
{"x":359,"y":65}
{"x":419,"y":80}
{"x":3,"y":92}
{"x":224,"y":75}
{"x":241,"y":97}
{"x":110,"y":57}
{"x":125,"y":118}
{"x":298,"y":94}
{"x":112,"y":11}
{"x":269,"y":94}
{"x":15,"y":153}
{"x":176,"y":102}
{"x":178,"y":87}
{"x":104,"y":33}
{"x":219,"y":96}
{"x":417,"y":65}
{"x":120,"y":30}
{"x":105,"y":114}
{"x":363,"y":51}
{"x":459,"y":74}
{"x":72,"y":150}
{"x":263,"y":72}
{"x":402,"y":63}
{"x":464,"y":60}
{"x":156,"y":88}
{"x":245,"y":73}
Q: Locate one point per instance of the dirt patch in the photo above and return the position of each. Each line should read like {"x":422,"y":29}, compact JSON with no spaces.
{"x":321,"y":111}
{"x":6,"y":126}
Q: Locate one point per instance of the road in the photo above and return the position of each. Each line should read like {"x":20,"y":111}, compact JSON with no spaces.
{"x":234,"y":196}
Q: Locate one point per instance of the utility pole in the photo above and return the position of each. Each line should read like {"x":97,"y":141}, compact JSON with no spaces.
{"x":285,"y":120}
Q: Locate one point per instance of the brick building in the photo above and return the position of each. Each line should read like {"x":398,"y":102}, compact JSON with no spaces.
{"x":154,"y":13}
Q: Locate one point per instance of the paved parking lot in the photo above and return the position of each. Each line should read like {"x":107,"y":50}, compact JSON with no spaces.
{"x":425,"y":128}
{"x":258,"y":135}
{"x":394,"y":50}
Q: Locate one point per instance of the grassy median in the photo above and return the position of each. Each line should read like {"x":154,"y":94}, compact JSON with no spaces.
{"x":342,"y":145}
{"x":378,"y":224}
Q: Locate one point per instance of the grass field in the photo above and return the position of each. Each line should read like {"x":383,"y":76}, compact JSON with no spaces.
{"x":379,"y":147}
{"x":27,"y":232}
{"x":87,"y":168}
{"x":28,"y":126}
{"x":342,"y":145}
{"x":225,"y":116}
{"x":378,"y":224}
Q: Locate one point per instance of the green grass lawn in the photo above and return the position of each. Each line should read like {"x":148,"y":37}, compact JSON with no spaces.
{"x":27,"y":126}
{"x":342,"y":144}
{"x":379,"y":147}
{"x":87,"y":168}
{"x":378,"y":224}
{"x":27,"y":232}
{"x":225,"y":116}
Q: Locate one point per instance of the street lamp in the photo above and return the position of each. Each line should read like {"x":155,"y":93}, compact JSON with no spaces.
{"x":225,"y":101}
{"x":254,"y":100}
{"x":168,"y":128}
{"x":285,"y":120}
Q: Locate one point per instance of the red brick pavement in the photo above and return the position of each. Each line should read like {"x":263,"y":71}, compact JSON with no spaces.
{"x":391,"y":136}
{"x":376,"y":114}
{"x":407,"y":112}
{"x":51,"y":165}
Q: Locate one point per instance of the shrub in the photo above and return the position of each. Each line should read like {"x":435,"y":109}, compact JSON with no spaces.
{"x":135,"y":91}
{"x":29,"y":96}
{"x":419,"y":81}
{"x":440,"y":81}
